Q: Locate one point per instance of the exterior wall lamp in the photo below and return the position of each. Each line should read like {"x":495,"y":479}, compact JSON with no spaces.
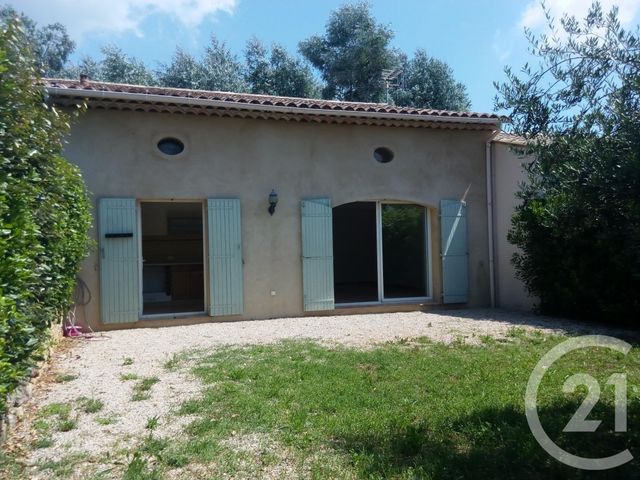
{"x":273,"y":201}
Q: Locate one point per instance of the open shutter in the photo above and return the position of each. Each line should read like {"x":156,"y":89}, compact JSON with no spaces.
{"x":454,"y":250}
{"x":225,"y":257}
{"x":317,"y":254}
{"x":119,"y":260}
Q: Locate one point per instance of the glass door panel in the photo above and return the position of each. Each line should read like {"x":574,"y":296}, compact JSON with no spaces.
{"x":404,"y":251}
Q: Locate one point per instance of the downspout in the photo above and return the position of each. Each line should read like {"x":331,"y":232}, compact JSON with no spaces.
{"x":489,"y":173}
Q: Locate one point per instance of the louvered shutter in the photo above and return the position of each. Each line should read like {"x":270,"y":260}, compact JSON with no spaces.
{"x":119,"y":260}
{"x":225,"y":257}
{"x":454,"y":250}
{"x":317,"y":254}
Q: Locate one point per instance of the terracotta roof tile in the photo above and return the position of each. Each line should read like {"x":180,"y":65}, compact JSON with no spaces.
{"x":264,"y":100}
{"x":509,"y":138}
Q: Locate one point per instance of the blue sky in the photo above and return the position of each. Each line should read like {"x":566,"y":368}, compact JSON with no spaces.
{"x":477,"y":38}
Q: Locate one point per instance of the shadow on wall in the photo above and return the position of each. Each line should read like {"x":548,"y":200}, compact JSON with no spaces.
{"x":494,"y":443}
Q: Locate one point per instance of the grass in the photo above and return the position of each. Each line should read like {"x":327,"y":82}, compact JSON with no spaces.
{"x":55,"y":410}
{"x":126,"y":361}
{"x":10,"y":468}
{"x":106,"y":420}
{"x":404,"y":410}
{"x":140,"y":396}
{"x":67,"y":424}
{"x":42,"y":442}
{"x":173,"y":362}
{"x":125,"y":377}
{"x":90,"y":405}
{"x":55,"y":415}
{"x":139,"y":469}
{"x":409,"y":410}
{"x":152,"y":423}
{"x":64,"y":467}
{"x":141,"y":390}
{"x":65,"y":377}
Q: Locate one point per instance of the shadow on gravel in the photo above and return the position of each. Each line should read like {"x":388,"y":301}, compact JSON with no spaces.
{"x":530,"y":319}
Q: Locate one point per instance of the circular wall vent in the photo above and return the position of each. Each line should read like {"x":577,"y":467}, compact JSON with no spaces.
{"x":171,"y":146}
{"x":383,"y":154}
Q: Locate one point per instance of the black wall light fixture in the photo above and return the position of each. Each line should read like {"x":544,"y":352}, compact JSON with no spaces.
{"x":273,"y":201}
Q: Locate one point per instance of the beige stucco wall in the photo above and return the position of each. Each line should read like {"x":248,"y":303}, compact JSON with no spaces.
{"x":508,"y":173}
{"x":246,"y":158}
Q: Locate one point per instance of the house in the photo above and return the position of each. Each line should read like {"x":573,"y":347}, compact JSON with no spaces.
{"x":222,"y":206}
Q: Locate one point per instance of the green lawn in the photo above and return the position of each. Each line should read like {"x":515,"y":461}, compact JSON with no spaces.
{"x":412,"y":409}
{"x":404,"y":410}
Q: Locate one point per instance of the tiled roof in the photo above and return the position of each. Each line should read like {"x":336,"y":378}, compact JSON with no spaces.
{"x":104,"y":92}
{"x":509,"y":138}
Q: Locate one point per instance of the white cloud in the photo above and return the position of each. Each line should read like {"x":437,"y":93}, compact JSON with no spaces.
{"x":533,"y":16}
{"x":82,"y":17}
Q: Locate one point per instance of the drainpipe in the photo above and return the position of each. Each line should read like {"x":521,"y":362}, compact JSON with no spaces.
{"x":489,"y":170}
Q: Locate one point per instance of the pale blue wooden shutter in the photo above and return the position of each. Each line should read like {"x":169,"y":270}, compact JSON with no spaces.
{"x":225,"y":257}
{"x":454,"y":250}
{"x":119,"y":260}
{"x":317,"y":254}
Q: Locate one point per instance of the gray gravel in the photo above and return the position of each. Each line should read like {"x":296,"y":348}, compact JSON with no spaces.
{"x":99,"y":364}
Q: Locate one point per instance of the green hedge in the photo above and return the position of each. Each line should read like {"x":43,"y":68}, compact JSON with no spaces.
{"x":578,"y":226}
{"x":44,"y":212}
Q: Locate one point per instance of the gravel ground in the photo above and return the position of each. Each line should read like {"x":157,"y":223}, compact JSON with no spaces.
{"x":99,"y":363}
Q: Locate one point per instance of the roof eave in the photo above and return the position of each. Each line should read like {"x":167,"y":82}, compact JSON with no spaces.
{"x":203,"y":102}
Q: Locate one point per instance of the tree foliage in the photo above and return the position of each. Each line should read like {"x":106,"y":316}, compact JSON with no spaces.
{"x":218,"y":69}
{"x":44,"y":210}
{"x":51,"y":44}
{"x":222,"y":69}
{"x":352,"y":54}
{"x":117,"y":66}
{"x":277,"y":73}
{"x":578,"y":226}
{"x":427,"y":82}
{"x":114,"y":66}
{"x":184,"y":71}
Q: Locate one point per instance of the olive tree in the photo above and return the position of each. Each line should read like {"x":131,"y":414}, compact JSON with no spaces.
{"x":578,"y":226}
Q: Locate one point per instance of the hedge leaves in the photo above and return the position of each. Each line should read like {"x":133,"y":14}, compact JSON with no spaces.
{"x":44,"y":212}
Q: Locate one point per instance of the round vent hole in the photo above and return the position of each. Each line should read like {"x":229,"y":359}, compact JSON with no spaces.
{"x":383,"y":154}
{"x":171,"y":146}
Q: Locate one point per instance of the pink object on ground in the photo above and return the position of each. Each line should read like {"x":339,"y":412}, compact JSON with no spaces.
{"x":72,"y":331}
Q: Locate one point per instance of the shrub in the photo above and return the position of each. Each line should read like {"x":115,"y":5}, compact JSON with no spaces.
{"x":578,"y":227}
{"x":44,"y":212}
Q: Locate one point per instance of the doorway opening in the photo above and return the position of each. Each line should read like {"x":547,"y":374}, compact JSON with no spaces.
{"x":172,"y":258}
{"x":381,"y":252}
{"x":355,"y":270}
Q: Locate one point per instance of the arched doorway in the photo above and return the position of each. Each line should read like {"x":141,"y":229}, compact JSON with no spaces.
{"x":381,"y":252}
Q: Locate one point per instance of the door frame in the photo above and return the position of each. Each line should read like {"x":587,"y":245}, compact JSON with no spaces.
{"x":205,"y":258}
{"x":380,"y":259}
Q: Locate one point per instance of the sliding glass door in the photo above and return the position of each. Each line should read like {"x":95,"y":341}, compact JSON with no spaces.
{"x":404,"y":251}
{"x":381,"y":252}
